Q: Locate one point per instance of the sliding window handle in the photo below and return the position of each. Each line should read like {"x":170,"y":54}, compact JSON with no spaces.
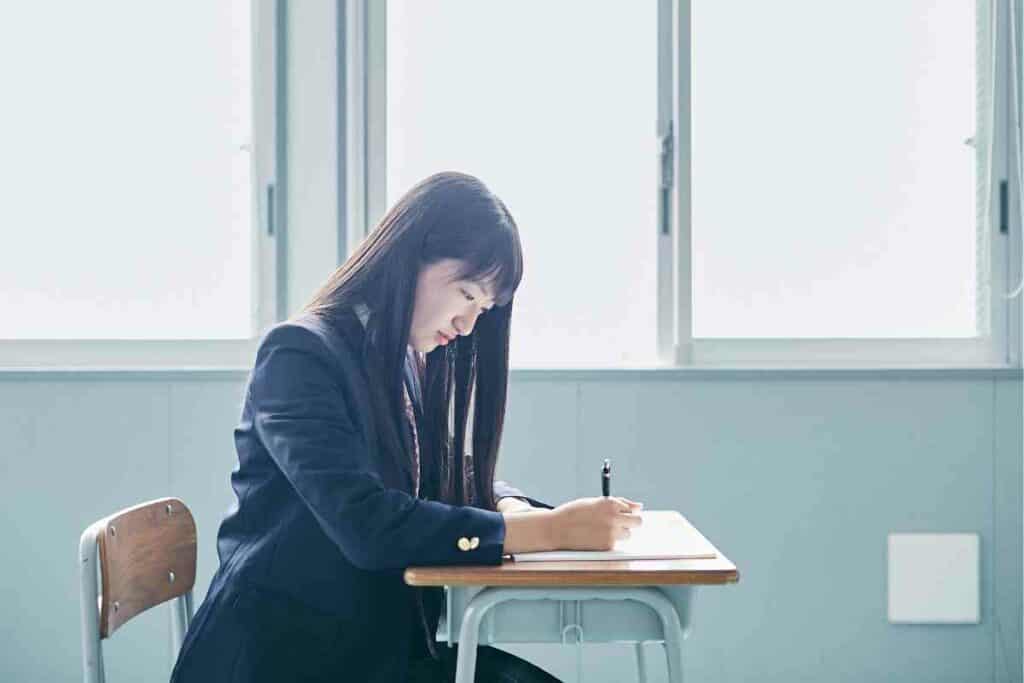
{"x":666,"y":179}
{"x":271,"y":209}
{"x":1004,"y":207}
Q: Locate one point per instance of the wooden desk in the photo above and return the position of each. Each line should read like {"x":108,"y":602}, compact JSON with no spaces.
{"x":536,"y":602}
{"x":605,"y":573}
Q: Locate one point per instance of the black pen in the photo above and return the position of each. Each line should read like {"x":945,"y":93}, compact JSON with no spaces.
{"x":606,"y":478}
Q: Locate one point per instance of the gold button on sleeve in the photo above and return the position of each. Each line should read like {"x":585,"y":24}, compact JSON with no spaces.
{"x":474,"y":543}
{"x":463,"y":543}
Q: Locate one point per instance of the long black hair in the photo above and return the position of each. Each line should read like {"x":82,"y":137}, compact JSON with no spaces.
{"x":448,"y":215}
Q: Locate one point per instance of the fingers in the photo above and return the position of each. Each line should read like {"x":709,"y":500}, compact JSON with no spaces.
{"x":628,"y":519}
{"x":627,"y":505}
{"x":620,"y":504}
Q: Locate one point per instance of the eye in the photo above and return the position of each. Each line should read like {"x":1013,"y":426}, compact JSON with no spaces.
{"x":470,"y":297}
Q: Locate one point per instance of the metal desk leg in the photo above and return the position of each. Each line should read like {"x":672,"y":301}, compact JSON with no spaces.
{"x":482,"y":602}
{"x":641,"y":665}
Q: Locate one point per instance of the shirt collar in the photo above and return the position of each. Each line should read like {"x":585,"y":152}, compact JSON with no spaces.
{"x":363,"y":311}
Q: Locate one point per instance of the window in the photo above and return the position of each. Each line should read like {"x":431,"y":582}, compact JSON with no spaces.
{"x":128,"y":210}
{"x":706,"y":184}
{"x":834,"y":170}
{"x":553,"y":106}
{"x":843,"y":200}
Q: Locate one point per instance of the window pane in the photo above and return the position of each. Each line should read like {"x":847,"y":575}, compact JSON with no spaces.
{"x":553,"y":106}
{"x":833,"y":190}
{"x":125,"y":170}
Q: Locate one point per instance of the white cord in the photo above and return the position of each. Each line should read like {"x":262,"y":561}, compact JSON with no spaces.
{"x":1018,"y":150}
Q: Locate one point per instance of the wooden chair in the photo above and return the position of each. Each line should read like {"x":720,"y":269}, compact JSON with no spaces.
{"x":147,"y":556}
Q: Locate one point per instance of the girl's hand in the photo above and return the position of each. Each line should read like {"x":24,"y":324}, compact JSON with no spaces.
{"x":594,"y":523}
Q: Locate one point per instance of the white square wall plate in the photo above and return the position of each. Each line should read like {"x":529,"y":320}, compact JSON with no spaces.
{"x":934,"y":579}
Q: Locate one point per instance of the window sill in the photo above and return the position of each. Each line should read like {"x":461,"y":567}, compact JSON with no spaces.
{"x":552,"y":374}
{"x":765,"y":372}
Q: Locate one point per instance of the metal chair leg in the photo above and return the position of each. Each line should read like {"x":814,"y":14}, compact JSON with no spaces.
{"x":92,"y":648}
{"x":180,"y":618}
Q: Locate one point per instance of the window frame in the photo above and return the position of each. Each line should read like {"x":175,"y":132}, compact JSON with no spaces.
{"x":268,"y":229}
{"x":676,"y":346}
{"x":364,"y":68}
{"x":1000,"y":349}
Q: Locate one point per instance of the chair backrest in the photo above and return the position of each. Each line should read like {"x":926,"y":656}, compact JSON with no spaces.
{"x":146,"y":556}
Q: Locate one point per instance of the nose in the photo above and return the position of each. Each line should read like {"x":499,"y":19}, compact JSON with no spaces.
{"x":464,"y":324}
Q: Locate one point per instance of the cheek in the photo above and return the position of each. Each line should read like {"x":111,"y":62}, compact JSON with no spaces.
{"x":434,"y":311}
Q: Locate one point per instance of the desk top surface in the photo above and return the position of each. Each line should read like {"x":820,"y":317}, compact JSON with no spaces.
{"x":718,"y":570}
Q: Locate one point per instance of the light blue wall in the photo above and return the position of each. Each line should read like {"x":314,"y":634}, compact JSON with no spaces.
{"x":796,"y":476}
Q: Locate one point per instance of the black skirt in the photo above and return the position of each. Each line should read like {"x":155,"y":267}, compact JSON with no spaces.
{"x":254,"y":634}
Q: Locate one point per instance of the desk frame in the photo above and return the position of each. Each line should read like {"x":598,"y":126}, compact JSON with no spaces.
{"x":488,"y":598}
{"x":648,"y":582}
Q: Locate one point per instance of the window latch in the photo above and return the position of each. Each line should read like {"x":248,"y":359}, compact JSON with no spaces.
{"x":666,"y":147}
{"x":270,"y":209}
{"x":1004,"y":207}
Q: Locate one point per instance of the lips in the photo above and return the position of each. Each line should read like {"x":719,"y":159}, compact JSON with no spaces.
{"x":442,"y":337}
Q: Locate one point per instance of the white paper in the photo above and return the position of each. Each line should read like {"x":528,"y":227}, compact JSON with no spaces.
{"x":663,"y":535}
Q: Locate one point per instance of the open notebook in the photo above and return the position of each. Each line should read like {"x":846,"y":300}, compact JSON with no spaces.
{"x":664,"y":535}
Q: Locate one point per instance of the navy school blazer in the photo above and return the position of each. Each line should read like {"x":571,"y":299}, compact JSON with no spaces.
{"x":320,"y":519}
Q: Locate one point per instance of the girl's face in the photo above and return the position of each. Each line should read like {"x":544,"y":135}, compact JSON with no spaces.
{"x":445,"y":306}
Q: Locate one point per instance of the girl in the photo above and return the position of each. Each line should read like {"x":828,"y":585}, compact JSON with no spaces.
{"x":352,"y":461}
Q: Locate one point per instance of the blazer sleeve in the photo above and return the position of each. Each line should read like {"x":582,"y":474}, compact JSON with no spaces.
{"x":301,"y":416}
{"x":502,"y":489}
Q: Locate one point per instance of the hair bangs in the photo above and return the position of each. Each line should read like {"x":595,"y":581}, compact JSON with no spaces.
{"x":497,"y":264}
